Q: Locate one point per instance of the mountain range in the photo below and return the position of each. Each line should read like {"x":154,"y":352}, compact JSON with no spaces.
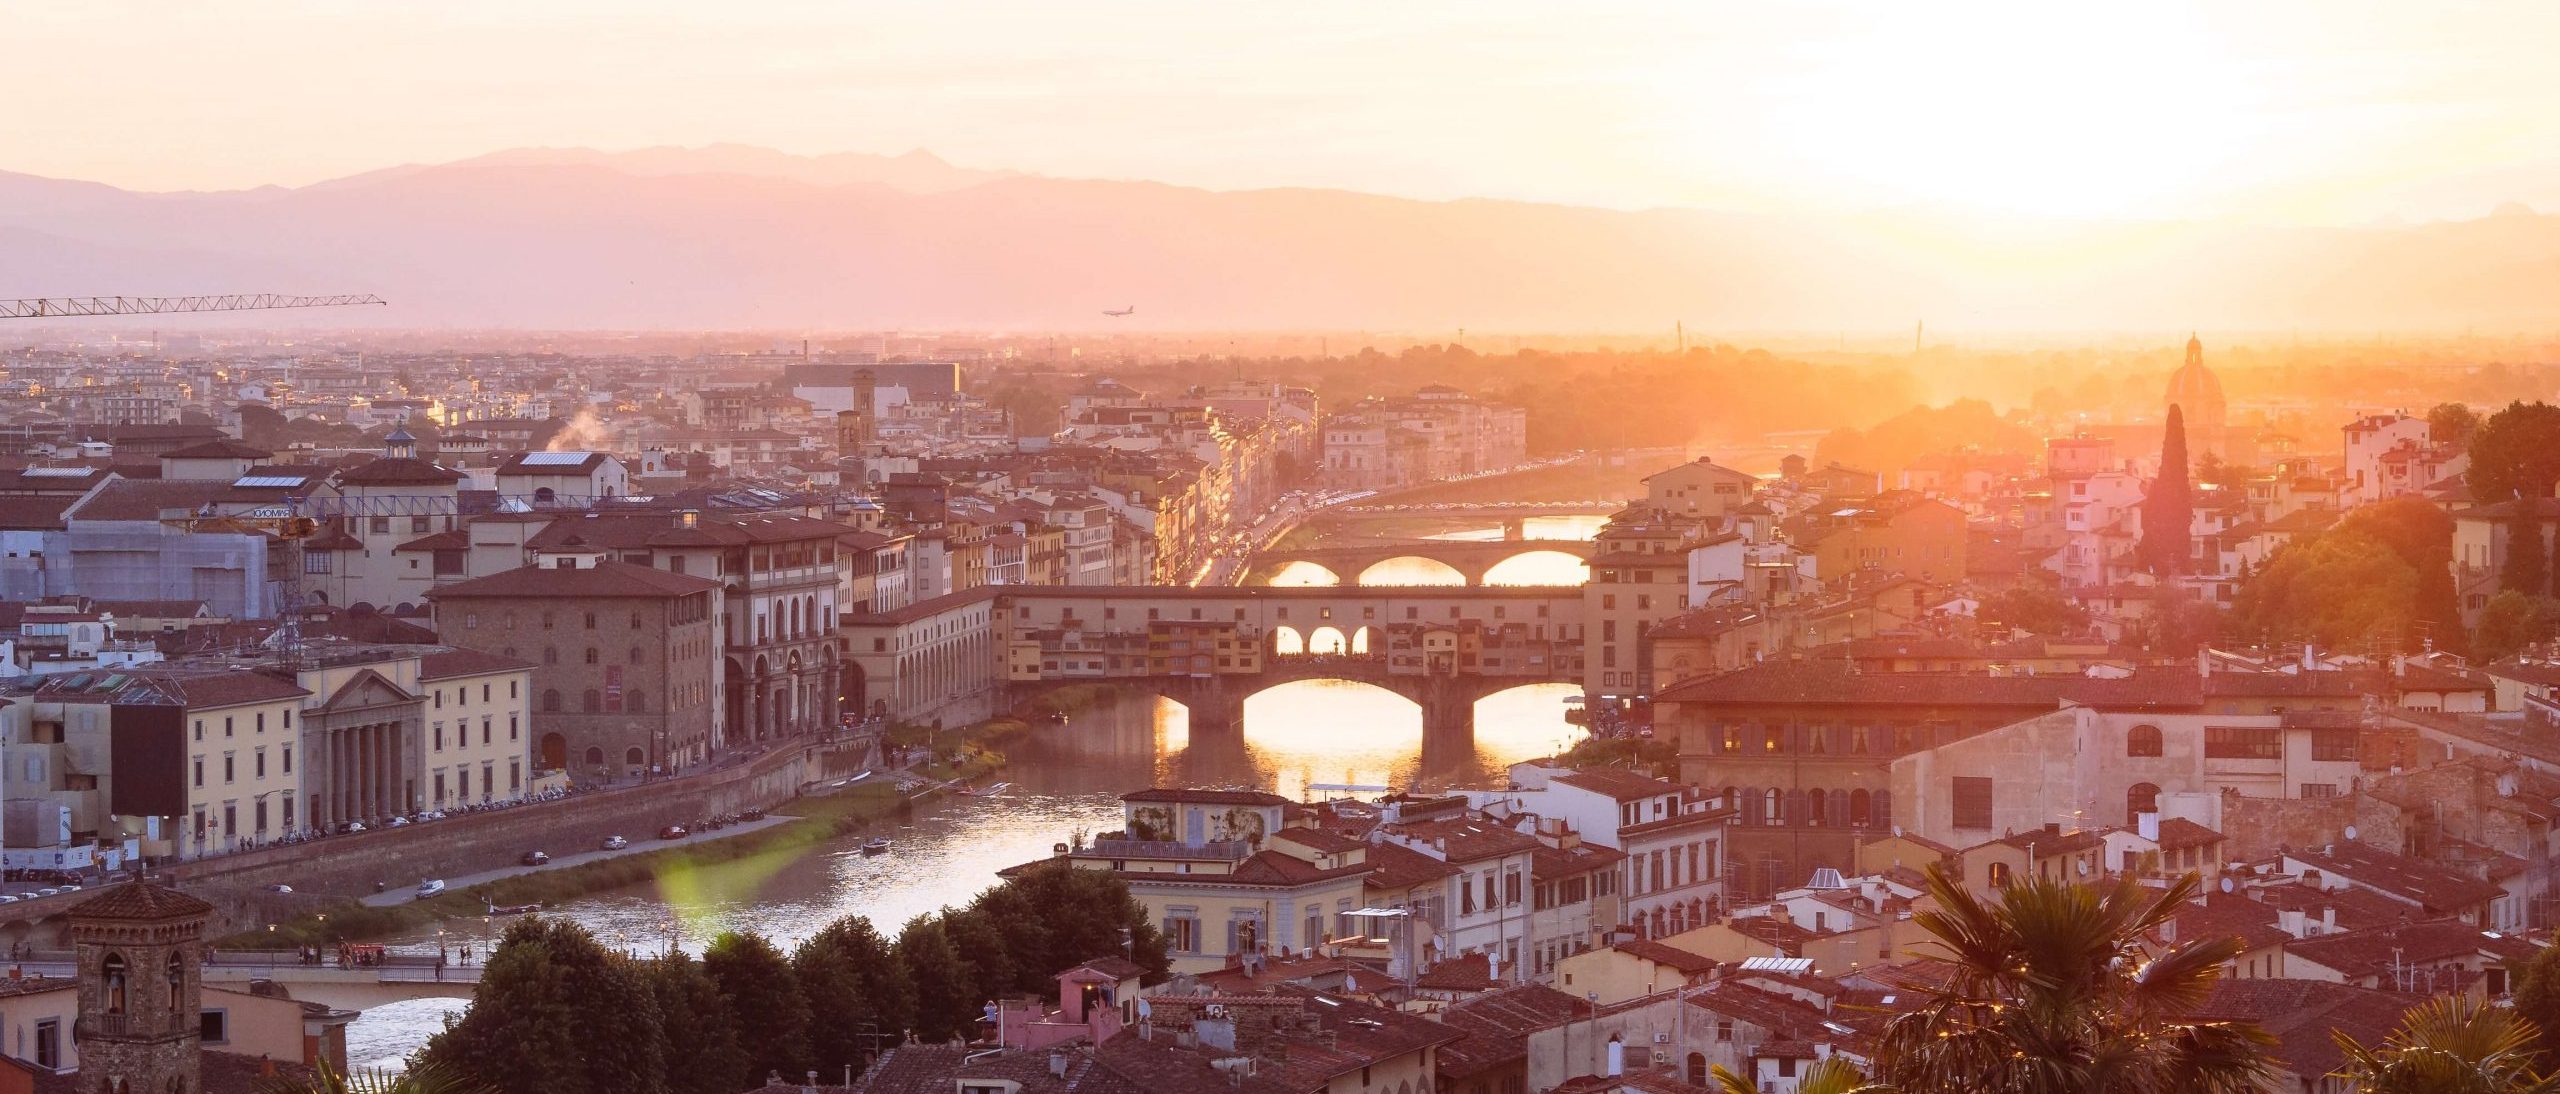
{"x":733,"y":237}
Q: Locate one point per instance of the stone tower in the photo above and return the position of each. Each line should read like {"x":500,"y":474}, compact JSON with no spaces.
{"x":858,"y":426}
{"x":140,"y":951}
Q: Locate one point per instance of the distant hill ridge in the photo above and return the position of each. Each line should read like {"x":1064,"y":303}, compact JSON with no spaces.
{"x":732,"y":236}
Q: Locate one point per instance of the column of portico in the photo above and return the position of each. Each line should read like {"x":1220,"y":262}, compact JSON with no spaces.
{"x":368,"y":783}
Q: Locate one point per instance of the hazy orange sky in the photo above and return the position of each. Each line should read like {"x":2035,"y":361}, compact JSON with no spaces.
{"x":2311,"y":112}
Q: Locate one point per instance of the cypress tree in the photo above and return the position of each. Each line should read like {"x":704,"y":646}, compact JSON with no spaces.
{"x":2168,"y":512}
{"x":2528,"y":568}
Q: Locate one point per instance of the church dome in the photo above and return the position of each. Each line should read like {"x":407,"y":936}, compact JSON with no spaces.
{"x":2195,"y":390}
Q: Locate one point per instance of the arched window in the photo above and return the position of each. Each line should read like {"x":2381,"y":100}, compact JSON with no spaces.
{"x":550,"y":655}
{"x":2143,"y":798}
{"x":592,"y":701}
{"x":1813,"y":800}
{"x":1697,"y":1069}
{"x":1771,"y":808}
{"x":112,"y":969}
{"x":551,"y":700}
{"x":592,"y":655}
{"x":1859,"y":804}
{"x":177,"y":982}
{"x":634,"y":757}
{"x":595,"y":756}
{"x":635,"y":702}
{"x":2142,"y":741}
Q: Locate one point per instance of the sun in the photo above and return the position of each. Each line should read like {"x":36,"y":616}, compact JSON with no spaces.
{"x":2047,"y":109}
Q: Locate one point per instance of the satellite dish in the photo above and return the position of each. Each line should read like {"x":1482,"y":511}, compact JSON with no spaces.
{"x":2226,"y":885}
{"x":2351,"y":833}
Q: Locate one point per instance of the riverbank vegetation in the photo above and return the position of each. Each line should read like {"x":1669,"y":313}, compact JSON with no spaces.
{"x":719,"y":1025}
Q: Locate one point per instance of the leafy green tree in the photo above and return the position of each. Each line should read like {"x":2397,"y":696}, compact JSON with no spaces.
{"x":703,"y":1053}
{"x":2421,"y":533}
{"x":2341,"y":588}
{"x":1085,"y":914}
{"x":2051,"y":992}
{"x":2451,"y":423}
{"x":2035,"y":607}
{"x":547,"y":996}
{"x":981,"y":940}
{"x":764,"y":999}
{"x":2516,"y":453}
{"x":422,"y":1078}
{"x":2451,"y":1044}
{"x":2509,"y":623}
{"x":946,"y":1005}
{"x":2537,"y":998}
{"x":2168,"y":511}
{"x":858,"y":992}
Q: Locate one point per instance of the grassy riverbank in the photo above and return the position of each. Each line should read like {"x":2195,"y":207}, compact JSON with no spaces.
{"x":735,"y":863}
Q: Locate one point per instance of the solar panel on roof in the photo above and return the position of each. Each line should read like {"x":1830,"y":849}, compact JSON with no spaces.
{"x":269,"y":482}
{"x":555,"y":459}
{"x":58,"y":472}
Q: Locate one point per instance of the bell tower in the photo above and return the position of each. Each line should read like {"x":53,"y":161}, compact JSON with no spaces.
{"x":140,"y":952}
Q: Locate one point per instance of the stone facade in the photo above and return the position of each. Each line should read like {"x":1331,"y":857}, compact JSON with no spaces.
{"x":139,"y":951}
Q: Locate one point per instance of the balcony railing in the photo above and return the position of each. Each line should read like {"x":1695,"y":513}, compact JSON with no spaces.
{"x":1212,"y":851}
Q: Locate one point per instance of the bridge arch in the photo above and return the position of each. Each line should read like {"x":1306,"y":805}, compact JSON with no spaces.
{"x":1540,"y":567}
{"x":1328,"y":639}
{"x":1287,"y":642}
{"x":1411,"y":570}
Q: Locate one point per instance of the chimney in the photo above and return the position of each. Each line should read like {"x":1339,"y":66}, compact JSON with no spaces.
{"x":2290,"y":921}
{"x":2328,"y":919}
{"x":1058,"y":1064}
{"x":2147,"y":825}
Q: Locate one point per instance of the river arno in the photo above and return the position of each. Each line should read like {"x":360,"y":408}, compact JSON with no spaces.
{"x":1065,"y":779}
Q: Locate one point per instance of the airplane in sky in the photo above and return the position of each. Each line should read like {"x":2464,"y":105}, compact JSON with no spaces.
{"x":1122,"y":313}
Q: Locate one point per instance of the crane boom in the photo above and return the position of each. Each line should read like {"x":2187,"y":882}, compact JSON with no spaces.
{"x":49,"y":306}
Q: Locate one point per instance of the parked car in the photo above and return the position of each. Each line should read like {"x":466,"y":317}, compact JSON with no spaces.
{"x":534,"y":858}
{"x":430,"y":887}
{"x":673,"y":831}
{"x":278,"y":887}
{"x":615,"y":843}
{"x":4,"y":899}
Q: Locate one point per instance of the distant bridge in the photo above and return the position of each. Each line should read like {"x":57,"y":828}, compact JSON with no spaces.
{"x":1508,"y":510}
{"x":400,"y":976}
{"x":1215,"y":701}
{"x":1471,"y":558}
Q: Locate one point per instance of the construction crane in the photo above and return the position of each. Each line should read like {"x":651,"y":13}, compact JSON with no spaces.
{"x":50,"y":307}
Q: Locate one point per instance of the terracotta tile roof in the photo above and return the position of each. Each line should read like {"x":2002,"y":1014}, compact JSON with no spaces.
{"x":225,"y":448}
{"x":1394,"y":868}
{"x":2436,"y":888}
{"x":399,"y":471}
{"x":1461,"y":840}
{"x":604,"y":579}
{"x":1549,"y":863}
{"x":2302,"y":1014}
{"x":458,"y":661}
{"x":1320,"y":839}
{"x":2356,"y":954}
{"x":140,"y":900}
{"x":1835,"y":683}
{"x":1497,"y":1025}
{"x":1672,"y":957}
{"x":2179,"y":833}
{"x":1618,"y":784}
{"x":1466,"y":972}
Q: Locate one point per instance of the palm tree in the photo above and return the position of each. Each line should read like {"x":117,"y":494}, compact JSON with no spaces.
{"x":2449,"y":1045}
{"x":2051,"y":993}
{"x":421,"y":1078}
{"x":1829,"y":1075}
